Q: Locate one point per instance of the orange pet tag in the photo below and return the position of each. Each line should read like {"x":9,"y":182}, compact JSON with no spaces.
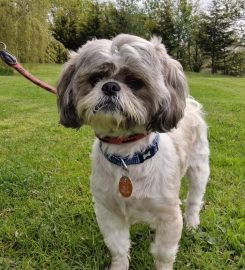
{"x":125,"y":186}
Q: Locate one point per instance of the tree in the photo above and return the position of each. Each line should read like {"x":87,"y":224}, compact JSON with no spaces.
{"x":35,"y":30}
{"x":112,"y":21}
{"x":161,"y":21}
{"x":184,"y":31}
{"x":218,"y":33}
{"x":177,"y":22}
{"x":26,"y":31}
{"x":67,"y":20}
{"x":194,"y":51}
{"x":78,"y":21}
{"x":131,"y":18}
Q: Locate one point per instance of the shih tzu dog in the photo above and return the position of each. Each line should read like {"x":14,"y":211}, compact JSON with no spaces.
{"x":150,"y":134}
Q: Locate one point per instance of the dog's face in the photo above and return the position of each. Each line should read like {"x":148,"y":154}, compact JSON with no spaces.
{"x":122,"y":86}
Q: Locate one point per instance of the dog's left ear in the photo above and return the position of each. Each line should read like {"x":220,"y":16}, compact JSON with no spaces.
{"x":65,"y":94}
{"x":172,"y":108}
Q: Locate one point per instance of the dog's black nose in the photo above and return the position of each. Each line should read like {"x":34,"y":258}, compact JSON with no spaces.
{"x":111,"y":88}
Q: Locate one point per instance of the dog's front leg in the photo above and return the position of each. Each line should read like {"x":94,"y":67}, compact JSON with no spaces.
{"x":116,"y":236}
{"x":168,"y":232}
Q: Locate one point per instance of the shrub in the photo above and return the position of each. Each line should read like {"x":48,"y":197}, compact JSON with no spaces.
{"x":56,"y":52}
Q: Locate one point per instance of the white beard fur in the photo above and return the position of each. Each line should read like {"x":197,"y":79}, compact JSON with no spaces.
{"x":156,"y":184}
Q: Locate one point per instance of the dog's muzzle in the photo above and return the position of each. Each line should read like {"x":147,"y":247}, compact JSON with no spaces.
{"x":110,"y":100}
{"x":108,"y":104}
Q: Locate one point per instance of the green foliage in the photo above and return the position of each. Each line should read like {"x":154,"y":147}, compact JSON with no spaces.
{"x":191,"y":35}
{"x":131,"y":18}
{"x":235,"y":62}
{"x":218,"y":34}
{"x":178,"y":23}
{"x":56,"y":52}
{"x":195,"y":36}
{"x":78,"y":21}
{"x":25,"y":30}
{"x":5,"y":70}
{"x":46,"y":212}
{"x":162,"y":21}
{"x":69,"y":22}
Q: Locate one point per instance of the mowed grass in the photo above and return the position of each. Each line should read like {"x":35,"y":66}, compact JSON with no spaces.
{"x":46,"y":210}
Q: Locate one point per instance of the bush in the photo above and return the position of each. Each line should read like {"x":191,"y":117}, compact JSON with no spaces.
{"x":236,"y":63}
{"x":56,"y":52}
{"x":5,"y":70}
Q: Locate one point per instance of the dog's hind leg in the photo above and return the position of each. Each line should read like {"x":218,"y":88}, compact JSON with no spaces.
{"x":116,"y":236}
{"x":197,"y":174}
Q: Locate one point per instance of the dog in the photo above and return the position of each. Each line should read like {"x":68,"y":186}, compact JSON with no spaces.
{"x":149,"y":134}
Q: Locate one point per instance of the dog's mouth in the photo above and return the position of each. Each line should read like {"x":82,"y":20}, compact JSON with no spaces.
{"x":108,"y":104}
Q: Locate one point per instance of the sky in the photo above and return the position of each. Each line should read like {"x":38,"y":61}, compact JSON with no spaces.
{"x":204,"y":3}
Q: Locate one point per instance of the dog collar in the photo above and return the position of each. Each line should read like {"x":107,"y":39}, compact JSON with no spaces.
{"x":137,"y":158}
{"x":123,"y":139}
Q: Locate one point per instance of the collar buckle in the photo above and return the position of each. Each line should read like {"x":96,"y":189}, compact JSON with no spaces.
{"x":124,"y":165}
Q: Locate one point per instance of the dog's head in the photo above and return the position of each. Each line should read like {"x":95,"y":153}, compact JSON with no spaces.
{"x":120,"y":86}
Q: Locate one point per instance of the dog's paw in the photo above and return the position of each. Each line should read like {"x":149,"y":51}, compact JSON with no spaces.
{"x":164,"y":266}
{"x":118,"y":268}
{"x":120,"y":264}
{"x":192,"y":221}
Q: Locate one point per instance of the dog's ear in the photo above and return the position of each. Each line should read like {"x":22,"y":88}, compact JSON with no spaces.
{"x":172,"y":107}
{"x":65,"y":94}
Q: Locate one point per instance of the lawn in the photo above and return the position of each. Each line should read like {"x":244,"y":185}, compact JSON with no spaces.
{"x":46,"y":212}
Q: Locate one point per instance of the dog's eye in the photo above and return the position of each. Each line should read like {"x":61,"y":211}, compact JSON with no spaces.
{"x":134,"y":83}
{"x":93,"y":79}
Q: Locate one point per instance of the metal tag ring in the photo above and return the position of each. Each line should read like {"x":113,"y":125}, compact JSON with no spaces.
{"x":4,"y":46}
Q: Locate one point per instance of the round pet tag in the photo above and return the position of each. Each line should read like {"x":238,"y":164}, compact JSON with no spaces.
{"x":125,"y":186}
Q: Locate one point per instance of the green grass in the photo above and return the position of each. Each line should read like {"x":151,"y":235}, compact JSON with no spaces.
{"x":46,"y":211}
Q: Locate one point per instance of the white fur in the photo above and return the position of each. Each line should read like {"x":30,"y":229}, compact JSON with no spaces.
{"x":156,"y":183}
{"x":160,"y":104}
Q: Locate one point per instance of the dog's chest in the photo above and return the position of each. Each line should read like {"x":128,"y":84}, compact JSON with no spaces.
{"x":151,"y":191}
{"x":155,"y":185}
{"x":137,"y":210}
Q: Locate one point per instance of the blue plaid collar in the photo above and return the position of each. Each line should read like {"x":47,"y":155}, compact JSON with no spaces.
{"x":137,"y":158}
